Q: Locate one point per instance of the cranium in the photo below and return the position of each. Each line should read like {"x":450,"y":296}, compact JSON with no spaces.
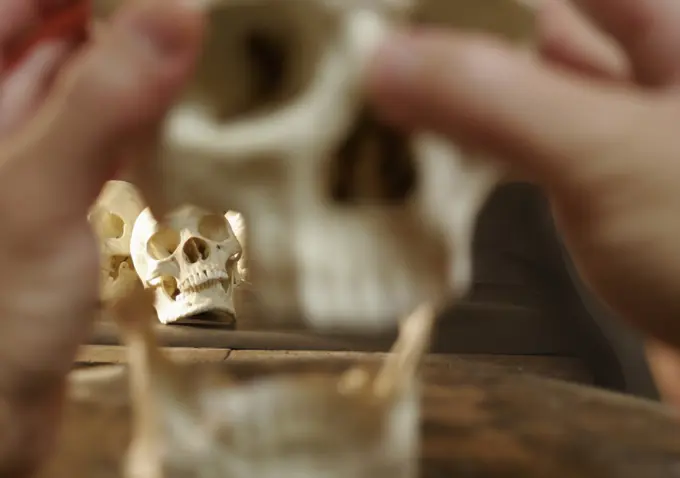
{"x":112,"y":218}
{"x":350,"y":223}
{"x":191,"y":261}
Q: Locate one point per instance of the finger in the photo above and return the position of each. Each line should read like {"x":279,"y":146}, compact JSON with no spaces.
{"x":567,"y":38}
{"x":648,"y":32}
{"x":15,"y":16}
{"x":23,"y":90}
{"x":125,"y":81}
{"x":56,"y":20}
{"x":497,"y":99}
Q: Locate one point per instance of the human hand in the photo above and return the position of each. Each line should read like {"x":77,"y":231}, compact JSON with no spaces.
{"x":60,"y":139}
{"x":566,"y":40}
{"x":602,"y":142}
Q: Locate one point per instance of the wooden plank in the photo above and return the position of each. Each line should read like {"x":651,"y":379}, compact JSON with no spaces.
{"x":106,"y":333}
{"x":563,"y":368}
{"x":469,"y":327}
{"x":478,"y":421}
{"x":114,"y":354}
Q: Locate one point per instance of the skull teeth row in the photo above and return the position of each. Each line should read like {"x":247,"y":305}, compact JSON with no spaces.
{"x":202,"y":280}
{"x":199,"y":288}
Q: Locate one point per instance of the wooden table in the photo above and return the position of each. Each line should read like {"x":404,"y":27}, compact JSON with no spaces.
{"x":513,"y":337}
{"x":563,"y":368}
{"x":479,"y":420}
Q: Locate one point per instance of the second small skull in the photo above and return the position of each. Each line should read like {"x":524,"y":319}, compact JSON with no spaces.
{"x":112,"y":218}
{"x":191,"y":262}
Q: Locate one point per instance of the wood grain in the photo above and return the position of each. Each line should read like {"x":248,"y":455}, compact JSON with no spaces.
{"x":563,"y":368}
{"x":479,"y":421}
{"x":115,"y":354}
{"x":471,"y":327}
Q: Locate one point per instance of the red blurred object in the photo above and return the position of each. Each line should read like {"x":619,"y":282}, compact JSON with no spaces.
{"x":67,"y":19}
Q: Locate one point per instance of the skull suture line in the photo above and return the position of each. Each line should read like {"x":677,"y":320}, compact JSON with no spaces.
{"x":269,"y":128}
{"x":191,"y":261}
{"x":112,"y":218}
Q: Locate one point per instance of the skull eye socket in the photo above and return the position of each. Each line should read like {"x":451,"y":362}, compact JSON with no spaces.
{"x":245,"y":64}
{"x":111,"y":226}
{"x":257,"y":57}
{"x":163,"y":244}
{"x":214,"y":227}
{"x":268,"y":59}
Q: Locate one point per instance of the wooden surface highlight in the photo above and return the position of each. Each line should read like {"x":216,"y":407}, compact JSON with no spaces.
{"x":479,"y":421}
{"x":563,"y":368}
{"x":473,"y":327}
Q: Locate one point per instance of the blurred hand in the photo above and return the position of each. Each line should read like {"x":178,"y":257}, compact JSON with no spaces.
{"x":592,"y":121}
{"x":63,"y":116}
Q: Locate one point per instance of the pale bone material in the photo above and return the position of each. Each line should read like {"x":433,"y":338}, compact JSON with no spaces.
{"x":112,"y":218}
{"x":191,"y":262}
{"x":238,"y":225}
{"x":357,"y":267}
{"x":415,"y":334}
{"x":310,"y":426}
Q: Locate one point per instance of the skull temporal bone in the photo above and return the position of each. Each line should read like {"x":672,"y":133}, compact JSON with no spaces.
{"x":191,"y":261}
{"x":237,"y":224}
{"x":338,"y":265}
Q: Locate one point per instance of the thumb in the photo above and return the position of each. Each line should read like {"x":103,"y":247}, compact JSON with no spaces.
{"x":122,"y":83}
{"x":546,"y":124}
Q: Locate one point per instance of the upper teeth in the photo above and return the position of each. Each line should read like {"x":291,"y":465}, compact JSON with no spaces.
{"x":202,"y":280}
{"x":200,"y":287}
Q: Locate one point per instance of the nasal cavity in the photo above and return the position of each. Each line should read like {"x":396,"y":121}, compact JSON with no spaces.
{"x":374,"y":165}
{"x":196,"y":249}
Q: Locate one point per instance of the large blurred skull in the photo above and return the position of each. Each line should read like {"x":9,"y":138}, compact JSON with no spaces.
{"x":350,"y":223}
{"x":112,"y":218}
{"x":191,"y":262}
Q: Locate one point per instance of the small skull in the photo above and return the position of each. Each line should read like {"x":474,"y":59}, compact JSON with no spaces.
{"x":112,"y":218}
{"x":191,"y":261}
